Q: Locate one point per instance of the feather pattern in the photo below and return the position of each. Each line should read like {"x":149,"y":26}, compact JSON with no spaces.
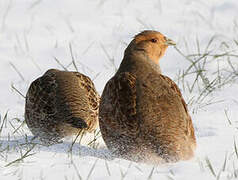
{"x":142,"y":114}
{"x":60,"y":104}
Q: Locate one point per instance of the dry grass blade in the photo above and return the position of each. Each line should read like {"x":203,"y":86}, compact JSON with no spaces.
{"x":235,"y":71}
{"x":96,"y":76}
{"x":21,"y":125}
{"x":193,"y":63}
{"x":228,"y":119}
{"x":210,"y":102}
{"x":91,"y":170}
{"x":209,"y":43}
{"x":11,"y":124}
{"x":138,"y":168}
{"x":26,"y":42}
{"x":200,"y":163}
{"x":236,"y":42}
{"x":101,"y":3}
{"x":160,"y":6}
{"x":18,"y":44}
{"x":35,"y":64}
{"x":123,"y":175}
{"x":34,"y":4}
{"x":77,"y":171}
{"x":60,"y":64}
{"x":210,"y":166}
{"x":198,"y":45}
{"x":69,"y":24}
{"x":5,"y":15}
{"x":15,"y":89}
{"x":87,"y":49}
{"x":170,"y":177}
{"x":111,"y":60}
{"x":4,"y":121}
{"x":97,"y":134}
{"x":72,"y":56}
{"x":107,"y":167}
{"x":186,"y":45}
{"x":223,"y":167}
{"x":81,"y":132}
{"x":17,"y":71}
{"x":151,"y":174}
{"x":223,"y":54}
{"x":190,"y":88}
{"x":225,"y":163}
{"x":23,"y":156}
{"x":235,"y":147}
{"x":235,"y":172}
{"x":206,"y":91}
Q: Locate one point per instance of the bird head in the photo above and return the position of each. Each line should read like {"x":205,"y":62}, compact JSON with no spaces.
{"x":152,"y":43}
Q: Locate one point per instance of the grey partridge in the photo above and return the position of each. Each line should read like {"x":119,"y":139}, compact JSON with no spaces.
{"x":142,"y":114}
{"x":60,"y":104}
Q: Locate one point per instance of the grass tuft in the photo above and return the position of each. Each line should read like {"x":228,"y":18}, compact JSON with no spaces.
{"x":198,"y":78}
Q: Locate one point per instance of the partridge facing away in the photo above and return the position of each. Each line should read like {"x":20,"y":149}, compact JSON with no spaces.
{"x":142,"y":114}
{"x":60,"y":104}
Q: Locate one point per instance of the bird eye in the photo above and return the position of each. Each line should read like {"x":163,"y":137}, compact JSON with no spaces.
{"x":154,"y":40}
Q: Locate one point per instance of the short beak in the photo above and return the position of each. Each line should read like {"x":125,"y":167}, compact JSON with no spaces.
{"x":170,"y":42}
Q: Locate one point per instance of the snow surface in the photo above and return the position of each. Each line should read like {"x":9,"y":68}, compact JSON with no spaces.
{"x":33,"y":33}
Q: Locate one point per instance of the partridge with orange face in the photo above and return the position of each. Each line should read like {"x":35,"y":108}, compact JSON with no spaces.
{"x":60,"y":104}
{"x":142,"y":114}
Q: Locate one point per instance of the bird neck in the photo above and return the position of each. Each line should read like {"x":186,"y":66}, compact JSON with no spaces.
{"x":138,"y":63}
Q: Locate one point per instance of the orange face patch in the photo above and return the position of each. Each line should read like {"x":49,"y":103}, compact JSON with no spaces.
{"x":153,"y":43}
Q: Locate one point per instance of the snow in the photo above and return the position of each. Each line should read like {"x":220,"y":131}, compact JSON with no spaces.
{"x":33,"y":33}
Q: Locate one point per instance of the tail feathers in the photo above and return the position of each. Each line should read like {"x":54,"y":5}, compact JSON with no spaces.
{"x":77,"y":122}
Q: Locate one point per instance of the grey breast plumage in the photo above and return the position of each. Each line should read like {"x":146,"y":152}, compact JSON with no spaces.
{"x":61,"y":103}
